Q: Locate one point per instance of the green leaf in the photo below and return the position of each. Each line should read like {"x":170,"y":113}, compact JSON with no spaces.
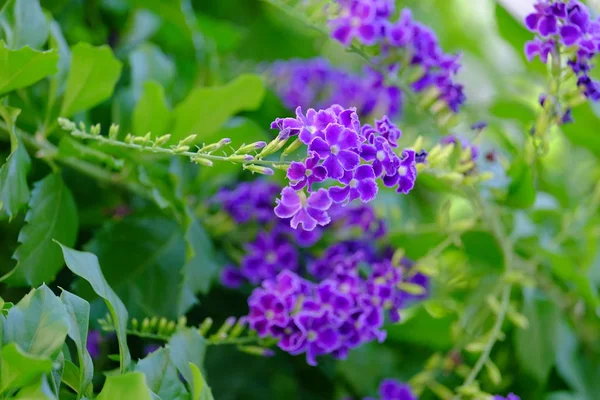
{"x":151,"y":113}
{"x":38,"y":323}
{"x":205,"y":109}
{"x":422,"y":329}
{"x":162,"y":376}
{"x":201,"y":390}
{"x":148,"y":62}
{"x":131,"y":385}
{"x":572,"y":275}
{"x":19,"y":368}
{"x":37,"y":391}
{"x":86,"y":266}
{"x":58,"y":41}
{"x":79,"y":315}
{"x":52,"y":215}
{"x":24,"y":67}
{"x":521,"y":191}
{"x":535,"y":345}
{"x":71,"y":376}
{"x":24,"y":24}
{"x":187,"y":347}
{"x":93,"y":75}
{"x":143,"y":259}
{"x":200,"y":268}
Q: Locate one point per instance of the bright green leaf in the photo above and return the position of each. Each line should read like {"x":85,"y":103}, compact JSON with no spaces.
{"x":14,"y":191}
{"x":201,"y":390}
{"x":24,"y":24}
{"x":187,"y":347}
{"x":521,"y":191}
{"x":58,"y":41}
{"x":93,"y":75}
{"x":535,"y":345}
{"x":79,"y":315}
{"x":206,"y":109}
{"x":52,"y":215}
{"x":24,"y":67}
{"x":151,"y":113}
{"x":19,"y":368}
{"x":86,"y":266}
{"x":40,"y":390}
{"x":162,"y":376}
{"x":131,"y":385}
{"x":38,"y":323}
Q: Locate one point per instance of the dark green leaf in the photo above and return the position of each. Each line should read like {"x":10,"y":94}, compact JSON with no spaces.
{"x":535,"y":345}
{"x":131,"y":385}
{"x":187,"y":347}
{"x":38,"y":323}
{"x":143,"y":259}
{"x":92,"y":78}
{"x":24,"y":67}
{"x":52,"y":215}
{"x":422,"y":329}
{"x":19,"y":368}
{"x":14,"y":191}
{"x":162,"y":376}
{"x":151,"y":113}
{"x":24,"y":24}
{"x":58,"y":41}
{"x":205,"y":110}
{"x":79,"y":315}
{"x":86,"y":266}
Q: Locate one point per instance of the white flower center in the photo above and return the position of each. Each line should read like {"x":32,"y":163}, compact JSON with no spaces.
{"x":311,"y":336}
{"x":402,"y":171}
{"x":308,"y":172}
{"x":335,"y":149}
{"x":353,"y":183}
{"x":381,"y":155}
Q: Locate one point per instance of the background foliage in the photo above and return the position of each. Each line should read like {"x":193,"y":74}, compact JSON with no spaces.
{"x":194,"y":67}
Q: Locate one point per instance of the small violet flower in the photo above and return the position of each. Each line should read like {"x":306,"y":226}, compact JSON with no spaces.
{"x":308,"y":212}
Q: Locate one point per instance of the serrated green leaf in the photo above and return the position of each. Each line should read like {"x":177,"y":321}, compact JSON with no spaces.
{"x":151,"y":113}
{"x":162,"y":376}
{"x":131,"y":385}
{"x":79,"y":315}
{"x":52,"y":215}
{"x":38,"y":323}
{"x":143,"y":259}
{"x":24,"y":67}
{"x":86,"y":266}
{"x":19,"y":368}
{"x":201,"y":390}
{"x":187,"y":347}
{"x":24,"y":24}
{"x":206,"y":109}
{"x":93,"y":75}
{"x":535,"y":345}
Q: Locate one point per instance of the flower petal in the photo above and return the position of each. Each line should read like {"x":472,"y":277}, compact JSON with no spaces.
{"x":303,"y":218}
{"x":339,"y":194}
{"x":320,"y":147}
{"x":348,"y":159}
{"x":319,"y":200}
{"x":296,"y":171}
{"x":333,"y":167}
{"x":364,"y":172}
{"x":367,"y":189}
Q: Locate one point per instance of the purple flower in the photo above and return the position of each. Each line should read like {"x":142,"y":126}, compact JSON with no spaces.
{"x":232,"y":277}
{"x":360,"y":184}
{"x":308,"y":212}
{"x":357,"y":20}
{"x":94,"y":342}
{"x":381,"y":155}
{"x":541,"y":48}
{"x":307,"y":127}
{"x":248,"y":201}
{"x":307,"y":173}
{"x":267,"y":310}
{"x":511,"y":396}
{"x":337,"y":150}
{"x":320,"y":334}
{"x":267,"y":256}
{"x":391,"y":389}
{"x":405,"y":174}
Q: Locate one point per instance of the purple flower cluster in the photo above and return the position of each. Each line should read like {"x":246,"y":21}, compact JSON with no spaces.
{"x":511,"y":396}
{"x":566,"y":23}
{"x":341,"y":150}
{"x":368,"y":22}
{"x":391,"y":389}
{"x":332,"y":316}
{"x":316,"y":83}
{"x":249,"y":201}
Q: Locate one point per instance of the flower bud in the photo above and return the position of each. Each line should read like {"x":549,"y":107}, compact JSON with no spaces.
{"x":95,"y":129}
{"x":241,"y":158}
{"x":113,"y":131}
{"x":205,"y":326}
{"x":251,"y":147}
{"x":259,"y":169}
{"x":188,"y":140}
{"x":67,"y":124}
{"x":257,"y":351}
{"x":202,"y":161}
{"x":292,"y":147}
{"x":161,"y":140}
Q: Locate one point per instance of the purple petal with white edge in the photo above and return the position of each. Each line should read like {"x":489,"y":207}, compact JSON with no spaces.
{"x":532,"y":21}
{"x":324,"y":118}
{"x":364,"y":172}
{"x":367,"y":189}
{"x":303,"y":218}
{"x":547,"y":25}
{"x":320,"y":147}
{"x":321,"y":217}
{"x":348,"y":159}
{"x":296,"y":171}
{"x":289,"y":197}
{"x":319,"y":173}
{"x":339,"y":194}
{"x":570,"y":34}
{"x":368,"y":152}
{"x":348,"y":140}
{"x":333,"y":167}
{"x":532,"y":49}
{"x":319,"y":200}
